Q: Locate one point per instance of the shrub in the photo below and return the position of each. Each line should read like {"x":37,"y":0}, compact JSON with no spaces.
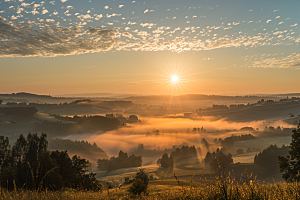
{"x":140,"y":183}
{"x":137,"y":187}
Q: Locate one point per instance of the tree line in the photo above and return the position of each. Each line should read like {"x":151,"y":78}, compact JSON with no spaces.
{"x":122,"y":161}
{"x":30,"y":165}
{"x":180,"y":154}
{"x":92,"y":122}
{"x":268,"y":158}
{"x":66,"y":144}
{"x":229,"y":141}
{"x":24,"y":111}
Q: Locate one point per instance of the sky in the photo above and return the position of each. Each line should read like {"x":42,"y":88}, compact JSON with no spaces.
{"x":224,"y":47}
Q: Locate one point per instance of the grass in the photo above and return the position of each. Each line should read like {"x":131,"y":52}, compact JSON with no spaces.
{"x":184,"y":171}
{"x":225,"y":189}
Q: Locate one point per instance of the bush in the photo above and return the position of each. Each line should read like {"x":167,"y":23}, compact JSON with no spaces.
{"x":143,"y":176}
{"x":137,"y":187}
{"x":240,"y":151}
{"x":140,"y":183}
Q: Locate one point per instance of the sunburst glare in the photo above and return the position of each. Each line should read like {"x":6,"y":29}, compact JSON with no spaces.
{"x":174,"y":79}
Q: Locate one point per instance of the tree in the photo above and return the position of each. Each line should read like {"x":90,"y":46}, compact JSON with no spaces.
{"x":133,"y":118}
{"x":220,"y":161}
{"x":65,"y":166}
{"x":79,"y":169}
{"x":290,"y":165}
{"x":4,"y":149}
{"x":165,"y":161}
{"x":1,"y":101}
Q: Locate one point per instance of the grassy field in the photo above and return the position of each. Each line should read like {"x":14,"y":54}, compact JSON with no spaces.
{"x":170,"y":190}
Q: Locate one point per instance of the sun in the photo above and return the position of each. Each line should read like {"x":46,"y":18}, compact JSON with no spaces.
{"x":174,"y":79}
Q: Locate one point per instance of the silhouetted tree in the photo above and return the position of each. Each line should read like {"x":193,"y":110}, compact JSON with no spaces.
{"x":219,"y":160}
{"x":65,"y":166}
{"x":165,"y":161}
{"x":133,"y":118}
{"x":290,"y":165}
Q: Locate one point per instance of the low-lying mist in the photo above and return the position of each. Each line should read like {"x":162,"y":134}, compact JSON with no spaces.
{"x":161,"y":133}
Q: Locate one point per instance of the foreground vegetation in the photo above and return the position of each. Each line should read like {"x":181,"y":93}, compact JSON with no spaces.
{"x":169,"y":189}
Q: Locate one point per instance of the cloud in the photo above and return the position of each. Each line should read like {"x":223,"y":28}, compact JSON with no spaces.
{"x":63,"y":1}
{"x":223,"y":42}
{"x":294,"y":25}
{"x":44,"y":11}
{"x":68,"y":7}
{"x":97,"y":17}
{"x":24,"y":41}
{"x":290,"y":61}
{"x":82,"y":17}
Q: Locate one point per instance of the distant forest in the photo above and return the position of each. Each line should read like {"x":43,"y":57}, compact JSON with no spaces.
{"x":79,"y":146}
{"x":92,"y":122}
{"x":24,"y":111}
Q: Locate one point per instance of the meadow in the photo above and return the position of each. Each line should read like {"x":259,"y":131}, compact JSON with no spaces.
{"x":171,"y":189}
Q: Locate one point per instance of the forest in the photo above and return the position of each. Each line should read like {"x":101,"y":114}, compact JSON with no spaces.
{"x":28,"y":164}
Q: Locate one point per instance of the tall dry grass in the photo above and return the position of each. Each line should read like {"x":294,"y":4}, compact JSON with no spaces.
{"x":221,"y":189}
